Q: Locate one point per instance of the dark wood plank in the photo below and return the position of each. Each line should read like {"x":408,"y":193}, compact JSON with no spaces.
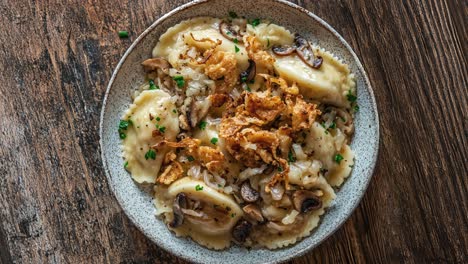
{"x":56,"y":59}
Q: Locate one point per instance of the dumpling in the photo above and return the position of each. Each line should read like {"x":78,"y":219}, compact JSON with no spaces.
{"x":329,"y":84}
{"x":270,"y":34}
{"x":325,"y":147}
{"x":211,"y":224}
{"x":177,"y":40}
{"x":150,"y":108}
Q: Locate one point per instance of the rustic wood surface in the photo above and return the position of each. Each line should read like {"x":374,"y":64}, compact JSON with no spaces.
{"x":56,"y":59}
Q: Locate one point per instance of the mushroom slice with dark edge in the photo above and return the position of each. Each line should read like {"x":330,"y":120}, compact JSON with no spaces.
{"x":231,"y":32}
{"x":249,"y":74}
{"x":306,"y":201}
{"x":180,"y":202}
{"x":155,"y":63}
{"x":241,"y":231}
{"x":253,"y":213}
{"x":283,"y":50}
{"x":248,"y":193}
{"x":305,"y":52}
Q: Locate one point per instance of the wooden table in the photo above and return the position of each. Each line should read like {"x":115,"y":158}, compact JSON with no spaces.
{"x":56,"y":59}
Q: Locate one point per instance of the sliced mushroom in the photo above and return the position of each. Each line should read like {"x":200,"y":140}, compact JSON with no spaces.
{"x":248,"y":193}
{"x":249,"y":74}
{"x":253,"y":213}
{"x":231,"y":32}
{"x":306,"y":201}
{"x":305,"y":52}
{"x":180,"y":202}
{"x":241,"y":231}
{"x":155,"y":63}
{"x":283,"y":50}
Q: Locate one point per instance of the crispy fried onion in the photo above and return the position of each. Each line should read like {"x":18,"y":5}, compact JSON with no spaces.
{"x":211,"y":158}
{"x":272,"y":82}
{"x":172,"y":170}
{"x":256,"y":53}
{"x":302,"y":114}
{"x":222,"y":68}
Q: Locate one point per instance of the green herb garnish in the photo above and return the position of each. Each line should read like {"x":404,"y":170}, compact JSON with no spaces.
{"x":123,"y":34}
{"x":255,"y":22}
{"x":338,"y":158}
{"x":198,"y":188}
{"x":174,"y":111}
{"x":162,"y":129}
{"x":125,"y":164}
{"x":202,"y":125}
{"x":325,"y":127}
{"x":356,"y":108}
{"x":190,"y":158}
{"x":158,"y":118}
{"x":280,"y":169}
{"x":124,"y":124}
{"x":179,"y":81}
{"x":214,"y":141}
{"x":152,"y":85}
{"x":235,"y":41}
{"x":351,"y":97}
{"x":122,"y":135}
{"x":236,"y":48}
{"x":151,"y":154}
{"x":291,"y":157}
{"x":333,"y":125}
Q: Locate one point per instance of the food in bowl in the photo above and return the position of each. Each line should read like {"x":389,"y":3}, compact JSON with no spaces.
{"x":243,"y":128}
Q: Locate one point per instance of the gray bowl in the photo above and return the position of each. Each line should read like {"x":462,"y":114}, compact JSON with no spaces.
{"x":128,"y":76}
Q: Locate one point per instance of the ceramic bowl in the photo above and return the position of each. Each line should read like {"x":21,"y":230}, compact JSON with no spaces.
{"x":128,"y":76}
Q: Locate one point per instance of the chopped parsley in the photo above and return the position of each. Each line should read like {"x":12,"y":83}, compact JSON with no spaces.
{"x":174,"y":111}
{"x":255,"y":22}
{"x":333,"y":125}
{"x":356,"y":108}
{"x":233,"y":215}
{"x":342,"y":119}
{"x":232,"y":14}
{"x":179,"y":81}
{"x":325,"y":127}
{"x":162,"y":129}
{"x":214,"y":141}
{"x":291,"y":157}
{"x":190,"y":158}
{"x":152,"y":85}
{"x":202,"y":125}
{"x":126,"y":165}
{"x":235,"y":41}
{"x":151,"y":154}
{"x":243,"y":79}
{"x":124,"y":124}
{"x":280,"y":169}
{"x":158,"y":118}
{"x":236,"y":48}
{"x":123,"y":34}
{"x":338,"y":158}
{"x":198,"y":188}
{"x":351,"y":97}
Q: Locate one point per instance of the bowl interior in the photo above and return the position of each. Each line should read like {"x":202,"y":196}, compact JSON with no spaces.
{"x":128,"y":76}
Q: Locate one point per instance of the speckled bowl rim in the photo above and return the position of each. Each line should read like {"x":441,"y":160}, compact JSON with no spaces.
{"x":322,"y":23}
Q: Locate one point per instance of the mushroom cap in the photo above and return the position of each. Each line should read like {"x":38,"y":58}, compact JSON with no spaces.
{"x":305,"y":201}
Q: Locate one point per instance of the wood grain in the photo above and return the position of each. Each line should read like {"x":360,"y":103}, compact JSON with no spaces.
{"x":56,"y":59}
